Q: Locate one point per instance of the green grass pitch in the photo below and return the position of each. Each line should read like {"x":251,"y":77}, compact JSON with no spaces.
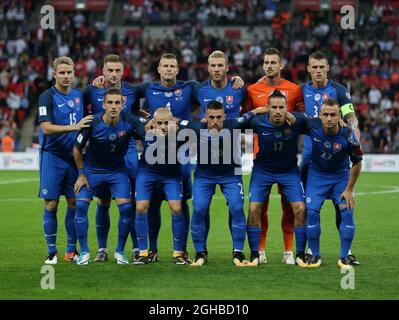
{"x":23,"y":251}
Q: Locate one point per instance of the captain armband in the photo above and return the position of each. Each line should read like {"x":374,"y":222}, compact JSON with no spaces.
{"x":347,"y":108}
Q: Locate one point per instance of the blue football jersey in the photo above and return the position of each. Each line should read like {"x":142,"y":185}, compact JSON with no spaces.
{"x":177,"y":98}
{"x":314,"y":97}
{"x":227,"y":157}
{"x":94,"y":98}
{"x":60,"y":109}
{"x":332,"y":152}
{"x":229,"y":97}
{"x":108,"y":144}
{"x":277,"y":145}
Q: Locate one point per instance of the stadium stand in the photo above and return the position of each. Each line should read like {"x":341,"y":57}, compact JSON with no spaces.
{"x":365,"y":60}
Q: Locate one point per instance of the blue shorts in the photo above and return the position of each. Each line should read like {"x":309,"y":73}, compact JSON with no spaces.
{"x":117,"y":182}
{"x":325,"y":185}
{"x":231,"y":187}
{"x":57,"y":176}
{"x":147,"y":182}
{"x":131,"y":162}
{"x":262,"y":181}
{"x":159,"y":195}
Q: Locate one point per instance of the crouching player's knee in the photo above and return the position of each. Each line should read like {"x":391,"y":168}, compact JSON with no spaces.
{"x":255,"y":210}
{"x":175,"y":207}
{"x":142,"y":207}
{"x":299,"y":210}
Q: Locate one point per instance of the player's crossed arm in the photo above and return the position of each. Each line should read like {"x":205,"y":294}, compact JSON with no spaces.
{"x":348,"y":194}
{"x":82,"y":179}
{"x":81,"y":141}
{"x":49,"y":128}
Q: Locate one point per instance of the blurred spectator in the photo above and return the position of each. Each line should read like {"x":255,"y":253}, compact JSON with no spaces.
{"x":366,"y":62}
{"x":7,"y":143}
{"x":374,"y":97}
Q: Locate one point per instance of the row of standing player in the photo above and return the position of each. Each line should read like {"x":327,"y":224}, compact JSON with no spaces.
{"x":179,"y":97}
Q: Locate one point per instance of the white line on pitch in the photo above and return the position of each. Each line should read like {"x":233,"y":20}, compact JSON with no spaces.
{"x":18,"y":181}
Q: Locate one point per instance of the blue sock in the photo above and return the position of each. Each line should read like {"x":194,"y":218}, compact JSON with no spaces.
{"x":142,"y":230}
{"x":178,"y":231}
{"x":253,"y":237}
{"x":125,"y":218}
{"x":238,"y":225}
{"x":230,"y":222}
{"x":82,"y":224}
{"x":313,"y":233}
{"x":186,"y":215}
{"x":133,"y":226}
{"x":70,"y":229}
{"x":300,"y":239}
{"x":50,"y":229}
{"x":338,"y":216}
{"x":346,"y":231}
{"x":102,"y":225}
{"x":207,"y":224}
{"x":154,"y":224}
{"x":198,"y":225}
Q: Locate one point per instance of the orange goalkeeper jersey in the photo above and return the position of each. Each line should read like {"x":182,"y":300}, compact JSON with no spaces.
{"x":258,"y":94}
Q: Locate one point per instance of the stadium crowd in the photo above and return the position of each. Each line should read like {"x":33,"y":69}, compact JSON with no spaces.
{"x":361,"y":59}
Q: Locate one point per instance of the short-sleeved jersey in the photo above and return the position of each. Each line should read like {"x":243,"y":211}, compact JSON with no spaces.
{"x":332,"y":152}
{"x":277,"y":144}
{"x":177,"y":98}
{"x":314,"y":97}
{"x":258,"y":95}
{"x":223,"y":164}
{"x":94,"y":98}
{"x":231,"y":98}
{"x":108,"y":144}
{"x":60,"y":109}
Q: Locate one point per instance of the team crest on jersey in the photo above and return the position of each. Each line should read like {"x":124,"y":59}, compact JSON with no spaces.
{"x":325,"y":96}
{"x":77,"y":100}
{"x":112,"y":136}
{"x":121,"y":134}
{"x":219,"y":99}
{"x":278,"y":134}
{"x":327,"y":144}
{"x":143,"y":120}
{"x":288,"y":132}
{"x":178,"y":92}
{"x":337,"y":146}
{"x":284,"y":92}
{"x":317,"y":96}
{"x":229,"y":99}
{"x":71,"y":103}
{"x":168,"y":94}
